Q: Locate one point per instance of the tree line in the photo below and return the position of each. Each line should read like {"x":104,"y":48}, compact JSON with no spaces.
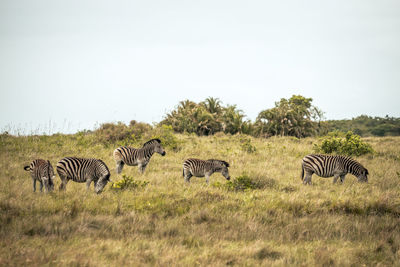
{"x":296,"y":116}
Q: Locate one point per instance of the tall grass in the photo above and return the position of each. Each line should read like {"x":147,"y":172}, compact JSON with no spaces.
{"x":279,"y":222}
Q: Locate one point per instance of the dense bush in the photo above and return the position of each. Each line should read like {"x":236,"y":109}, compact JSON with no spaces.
{"x":245,"y":183}
{"x":168,"y":139}
{"x":206,"y":118}
{"x":127,"y":182}
{"x":120,"y":133}
{"x":344,"y":144}
{"x":246,"y":146}
{"x":293,"y":117}
{"x":367,"y":126}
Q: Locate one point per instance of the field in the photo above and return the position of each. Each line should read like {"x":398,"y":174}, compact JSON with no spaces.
{"x":169,"y":223}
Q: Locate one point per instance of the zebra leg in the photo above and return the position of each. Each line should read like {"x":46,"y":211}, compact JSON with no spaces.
{"x":335,"y":178}
{"x":342,"y":178}
{"x":207,"y":179}
{"x":34,"y":185}
{"x":64,"y":181}
{"x":120,"y":166}
{"x":307,"y":178}
{"x":88,"y":182}
{"x":142,"y":167}
{"x":41,"y":186}
{"x":187,"y":176}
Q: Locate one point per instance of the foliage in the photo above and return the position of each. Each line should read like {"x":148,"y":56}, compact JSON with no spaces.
{"x":206,"y":118}
{"x":127,"y":182}
{"x":246,"y":146}
{"x":294,"y":117}
{"x":242,"y":183}
{"x":168,"y":139}
{"x":344,"y":144}
{"x":120,"y":133}
{"x":368,"y":126}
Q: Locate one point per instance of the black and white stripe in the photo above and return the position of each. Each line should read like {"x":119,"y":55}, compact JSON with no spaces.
{"x":201,"y":168}
{"x":141,"y":156}
{"x":331,"y":165}
{"x":42,"y":171}
{"x":83,"y":170}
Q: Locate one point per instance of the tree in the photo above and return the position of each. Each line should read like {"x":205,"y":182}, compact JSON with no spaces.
{"x":295,"y":117}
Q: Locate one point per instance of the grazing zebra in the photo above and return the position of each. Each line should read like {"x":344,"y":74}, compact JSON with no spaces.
{"x":201,"y":168}
{"x":141,"y":156}
{"x":83,"y":170}
{"x":332,"y":165}
{"x":42,"y":171}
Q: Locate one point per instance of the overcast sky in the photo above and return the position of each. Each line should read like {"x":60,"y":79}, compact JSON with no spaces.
{"x":70,"y":65}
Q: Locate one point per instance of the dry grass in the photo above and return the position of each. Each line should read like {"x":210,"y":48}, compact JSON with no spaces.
{"x":169,"y":223}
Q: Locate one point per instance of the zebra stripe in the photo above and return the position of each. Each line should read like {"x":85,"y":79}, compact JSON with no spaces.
{"x":140,"y":157}
{"x":41,"y":170}
{"x":201,"y":168}
{"x":332,"y":165}
{"x":83,"y":170}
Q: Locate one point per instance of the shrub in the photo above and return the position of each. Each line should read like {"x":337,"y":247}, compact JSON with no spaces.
{"x":168,"y":139}
{"x":119,"y":133}
{"x":242,"y":183}
{"x":127,"y":182}
{"x":344,"y":144}
{"x":246,"y":145}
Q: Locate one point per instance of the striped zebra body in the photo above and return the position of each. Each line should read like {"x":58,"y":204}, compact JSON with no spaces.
{"x":201,"y":168}
{"x":42,"y":171}
{"x":137,"y":156}
{"x":83,"y":170}
{"x":331,"y":165}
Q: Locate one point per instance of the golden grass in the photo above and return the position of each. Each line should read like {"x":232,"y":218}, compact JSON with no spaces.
{"x":170,"y":223}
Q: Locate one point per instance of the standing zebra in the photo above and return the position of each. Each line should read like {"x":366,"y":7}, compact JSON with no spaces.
{"x":83,"y":170}
{"x":141,"y":156}
{"x":201,"y":168}
{"x":42,"y":171}
{"x":332,"y":165}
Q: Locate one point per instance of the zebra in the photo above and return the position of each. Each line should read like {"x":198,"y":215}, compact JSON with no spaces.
{"x":331,"y":165}
{"x":141,"y":156}
{"x":201,"y":168}
{"x":83,"y":170}
{"x":42,"y":171}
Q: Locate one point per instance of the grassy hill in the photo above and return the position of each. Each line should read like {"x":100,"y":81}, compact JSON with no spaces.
{"x":169,"y":223}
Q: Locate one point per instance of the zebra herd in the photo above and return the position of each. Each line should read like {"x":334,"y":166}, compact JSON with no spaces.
{"x":84,"y":170}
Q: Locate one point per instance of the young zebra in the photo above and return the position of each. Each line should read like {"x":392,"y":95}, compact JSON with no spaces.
{"x":141,"y":156}
{"x":201,"y":168}
{"x":83,"y":170}
{"x":42,"y":171}
{"x":331,"y":165}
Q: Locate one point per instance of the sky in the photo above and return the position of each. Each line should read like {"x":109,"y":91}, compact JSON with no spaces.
{"x":72,"y":65}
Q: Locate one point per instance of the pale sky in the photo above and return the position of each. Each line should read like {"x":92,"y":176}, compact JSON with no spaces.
{"x":71,"y":65}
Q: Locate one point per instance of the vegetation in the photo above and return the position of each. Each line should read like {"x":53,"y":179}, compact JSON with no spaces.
{"x":127,"y":182}
{"x":274,"y":221}
{"x":206,"y":118}
{"x":343,"y":144}
{"x":367,"y":126}
{"x":294,"y":117}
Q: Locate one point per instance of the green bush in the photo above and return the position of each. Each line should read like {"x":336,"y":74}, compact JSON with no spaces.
{"x":246,"y":146}
{"x":344,"y":144}
{"x":242,"y":183}
{"x":127,"y":182}
{"x":168,"y":139}
{"x":120,"y":133}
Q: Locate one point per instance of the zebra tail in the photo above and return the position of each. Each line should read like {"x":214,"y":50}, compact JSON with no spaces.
{"x":183,"y":172}
{"x":302,"y":172}
{"x":27,"y":168}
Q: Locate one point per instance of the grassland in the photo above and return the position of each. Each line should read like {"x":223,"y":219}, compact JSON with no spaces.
{"x":169,"y":223}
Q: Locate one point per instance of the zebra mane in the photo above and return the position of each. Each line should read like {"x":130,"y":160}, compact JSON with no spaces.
{"x":151,"y":141}
{"x":219,"y":161}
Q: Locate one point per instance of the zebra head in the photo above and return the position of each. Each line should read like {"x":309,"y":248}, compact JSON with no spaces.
{"x":48,"y":179}
{"x":156,"y":144}
{"x":222,"y":166}
{"x":363,"y":176}
{"x":101,"y":183}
